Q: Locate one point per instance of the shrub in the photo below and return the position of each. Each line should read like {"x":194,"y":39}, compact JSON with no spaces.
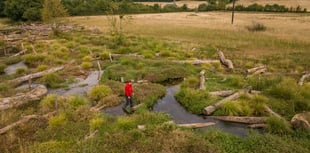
{"x":97,"y":122}
{"x":191,"y":82}
{"x":58,"y":121}
{"x":48,"y":103}
{"x":193,"y":100}
{"x":42,"y":67}
{"x":104,"y":55}
{"x":98,"y":92}
{"x":2,"y":67}
{"x":87,"y":58}
{"x":256,"y":27}
{"x":231,"y":109}
{"x":20,"y":71}
{"x":12,"y":60}
{"x":77,"y":101}
{"x":87,"y":65}
{"x":53,"y":80}
{"x":278,"y":126}
{"x":287,"y":90}
{"x":33,"y":60}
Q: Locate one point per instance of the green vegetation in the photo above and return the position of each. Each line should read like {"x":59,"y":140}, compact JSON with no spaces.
{"x":98,"y":92}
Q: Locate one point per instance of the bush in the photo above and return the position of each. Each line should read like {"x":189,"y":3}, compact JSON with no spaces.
{"x":53,"y":80}
{"x":231,"y":109}
{"x":58,"y":121}
{"x":87,"y":65}
{"x":193,"y":100}
{"x":97,"y":122}
{"x":77,"y":101}
{"x":278,"y":126}
{"x":287,"y":90}
{"x":2,"y":67}
{"x":87,"y":58}
{"x":48,"y":103}
{"x":33,"y":60}
{"x":98,"y":92}
{"x":42,"y":68}
{"x":191,"y":82}
{"x":20,"y":71}
{"x":257,"y":27}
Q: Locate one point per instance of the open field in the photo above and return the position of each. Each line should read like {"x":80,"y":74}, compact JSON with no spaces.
{"x":214,"y":28}
{"x":195,"y":4}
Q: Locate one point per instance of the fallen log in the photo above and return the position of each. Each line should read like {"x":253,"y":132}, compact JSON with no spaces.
{"x":301,"y":80}
{"x":19,"y":53}
{"x":20,"y":99}
{"x":35,"y":75}
{"x":197,"y":61}
{"x":238,"y":119}
{"x":223,"y":93}
{"x":228,"y":63}
{"x":210,"y":109}
{"x":269,"y":110}
{"x":91,"y":135}
{"x":125,"y":55}
{"x":257,"y":126}
{"x":197,"y":125}
{"x":255,"y":69}
{"x":25,"y":119}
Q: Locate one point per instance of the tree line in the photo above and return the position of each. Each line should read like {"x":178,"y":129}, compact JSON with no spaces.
{"x":31,"y":10}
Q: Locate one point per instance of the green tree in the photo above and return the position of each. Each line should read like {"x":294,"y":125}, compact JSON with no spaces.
{"x":52,"y":9}
{"x":2,"y":6}
{"x":23,"y":9}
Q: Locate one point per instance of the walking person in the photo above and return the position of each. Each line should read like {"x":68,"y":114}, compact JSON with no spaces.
{"x":128,"y":94}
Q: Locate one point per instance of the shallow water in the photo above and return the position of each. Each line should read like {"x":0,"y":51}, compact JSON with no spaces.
{"x":79,"y":88}
{"x":11,"y":69}
{"x":169,"y":105}
{"x":179,"y":114}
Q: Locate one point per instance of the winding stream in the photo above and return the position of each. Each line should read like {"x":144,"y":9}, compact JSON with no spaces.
{"x":169,"y":105}
{"x":11,"y":69}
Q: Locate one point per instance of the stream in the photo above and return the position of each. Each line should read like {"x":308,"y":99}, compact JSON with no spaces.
{"x":11,"y":69}
{"x":80,"y":87}
{"x":179,"y":114}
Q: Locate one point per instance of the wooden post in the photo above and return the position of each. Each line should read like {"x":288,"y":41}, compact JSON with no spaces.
{"x":202,"y":80}
{"x":29,"y":82}
{"x":99,"y":67}
{"x":233,"y":12}
{"x":110,"y":55}
{"x":122,"y":79}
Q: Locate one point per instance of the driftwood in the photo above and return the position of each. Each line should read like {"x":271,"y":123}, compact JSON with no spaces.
{"x":210,"y":109}
{"x":238,"y":119}
{"x":202,"y":80}
{"x":35,"y":75}
{"x":197,"y":125}
{"x":25,"y":119}
{"x":269,"y":110}
{"x":15,"y":101}
{"x":228,"y":63}
{"x":252,"y":70}
{"x":197,"y":61}
{"x":19,"y":53}
{"x":91,"y":135}
{"x":223,"y":93}
{"x":97,"y":108}
{"x":301,"y":80}
{"x":125,"y":55}
{"x":257,"y":126}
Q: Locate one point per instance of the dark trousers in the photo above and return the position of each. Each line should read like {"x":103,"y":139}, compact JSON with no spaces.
{"x":128,"y":102}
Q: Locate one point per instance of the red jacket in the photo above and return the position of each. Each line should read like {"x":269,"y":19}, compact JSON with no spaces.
{"x":128,"y":89}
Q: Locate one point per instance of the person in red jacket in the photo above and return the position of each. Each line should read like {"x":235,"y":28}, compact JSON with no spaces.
{"x":128,"y":94}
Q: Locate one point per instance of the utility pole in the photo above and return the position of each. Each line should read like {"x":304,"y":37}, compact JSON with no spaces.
{"x":233,"y":12}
